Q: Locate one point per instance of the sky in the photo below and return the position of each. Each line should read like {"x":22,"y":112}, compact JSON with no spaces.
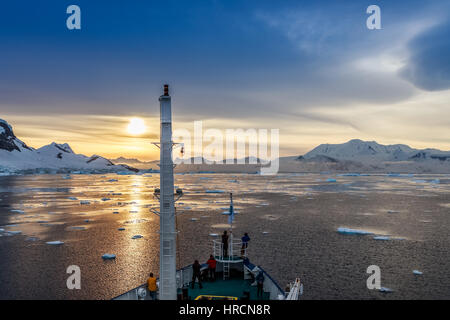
{"x":309,"y":68}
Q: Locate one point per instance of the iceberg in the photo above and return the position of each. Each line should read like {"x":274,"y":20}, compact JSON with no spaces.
{"x":214,"y":191}
{"x":108,"y":256}
{"x":55,"y":243}
{"x":353,"y":231}
{"x":384,"y":238}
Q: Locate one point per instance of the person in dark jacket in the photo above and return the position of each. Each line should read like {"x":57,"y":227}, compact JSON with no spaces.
{"x":196,"y":274}
{"x":211,"y":268}
{"x":260,"y":283}
{"x":245,"y":239}
{"x":225,"y":243}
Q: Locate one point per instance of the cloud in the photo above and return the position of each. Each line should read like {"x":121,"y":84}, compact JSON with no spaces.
{"x":428,"y":66}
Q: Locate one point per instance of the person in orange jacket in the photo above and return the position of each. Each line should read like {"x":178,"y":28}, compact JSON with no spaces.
{"x":151,"y":286}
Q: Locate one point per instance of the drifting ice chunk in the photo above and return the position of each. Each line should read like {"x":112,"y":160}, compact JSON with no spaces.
{"x":417,"y":272}
{"x":214,"y":191}
{"x":384,"y":238}
{"x":138,"y":236}
{"x":55,"y":243}
{"x":108,"y":256}
{"x":13,"y":232}
{"x":353,"y":231}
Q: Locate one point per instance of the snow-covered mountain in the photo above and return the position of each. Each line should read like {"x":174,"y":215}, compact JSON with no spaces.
{"x":16,"y":156}
{"x":368,"y":156}
{"x":371,"y":151}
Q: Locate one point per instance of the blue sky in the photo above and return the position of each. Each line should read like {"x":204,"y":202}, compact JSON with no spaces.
{"x":310,"y":68}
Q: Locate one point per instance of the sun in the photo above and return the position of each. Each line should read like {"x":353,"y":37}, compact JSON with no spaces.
{"x":136,"y":126}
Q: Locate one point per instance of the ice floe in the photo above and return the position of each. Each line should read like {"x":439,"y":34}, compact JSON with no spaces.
{"x":214,"y":191}
{"x":55,"y":243}
{"x":353,"y":231}
{"x":383,"y":238}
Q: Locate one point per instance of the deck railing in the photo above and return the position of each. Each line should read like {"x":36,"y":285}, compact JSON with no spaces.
{"x":235,"y":248}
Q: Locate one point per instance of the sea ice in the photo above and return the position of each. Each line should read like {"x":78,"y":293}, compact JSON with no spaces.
{"x":54,"y":243}
{"x":353,"y":231}
{"x":13,"y":232}
{"x":214,"y":191}
{"x":384,"y":238}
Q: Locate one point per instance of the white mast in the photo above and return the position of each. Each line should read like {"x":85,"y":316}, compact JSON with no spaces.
{"x":167,"y":255}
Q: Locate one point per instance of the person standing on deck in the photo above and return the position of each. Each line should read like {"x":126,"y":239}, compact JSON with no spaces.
{"x":211,"y":268}
{"x":151,"y":286}
{"x":260,"y":284}
{"x":225,"y":243}
{"x":196,"y":274}
{"x":245,"y":239}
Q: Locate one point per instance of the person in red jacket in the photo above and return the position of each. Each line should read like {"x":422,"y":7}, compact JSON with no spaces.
{"x":212,"y":268}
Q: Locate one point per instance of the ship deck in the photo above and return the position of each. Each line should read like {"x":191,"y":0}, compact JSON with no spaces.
{"x":233,"y":287}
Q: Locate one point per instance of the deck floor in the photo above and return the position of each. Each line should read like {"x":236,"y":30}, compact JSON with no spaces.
{"x":233,"y":287}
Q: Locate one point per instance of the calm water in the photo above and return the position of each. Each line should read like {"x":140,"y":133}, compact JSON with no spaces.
{"x":292,"y":221}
